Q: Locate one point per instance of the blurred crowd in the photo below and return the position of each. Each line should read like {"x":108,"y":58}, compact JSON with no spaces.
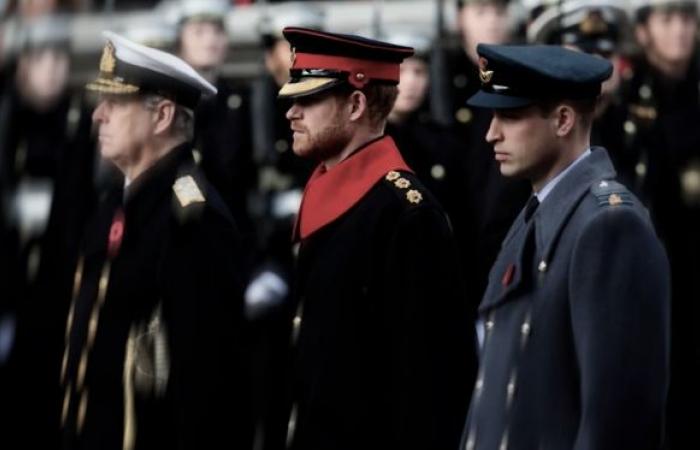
{"x":52,"y":178}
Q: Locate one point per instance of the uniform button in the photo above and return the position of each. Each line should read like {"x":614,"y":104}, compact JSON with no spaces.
{"x":510,"y":390}
{"x":460,"y":80}
{"x":234,"y":101}
{"x":525,"y":329}
{"x":296,"y":322}
{"x":645,"y":92}
{"x":630,"y":127}
{"x":489,"y":324}
{"x":73,"y":116}
{"x":470,"y":442}
{"x":281,"y":146}
{"x":464,"y":115}
{"x":197,"y":156}
{"x":437,"y":171}
{"x":542,"y":267}
{"x":504,"y":442}
{"x":640,"y":169}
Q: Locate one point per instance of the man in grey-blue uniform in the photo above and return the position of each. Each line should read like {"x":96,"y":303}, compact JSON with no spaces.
{"x":575,"y":318}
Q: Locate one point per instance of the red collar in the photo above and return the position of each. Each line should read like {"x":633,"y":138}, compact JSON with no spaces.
{"x":331,"y":193}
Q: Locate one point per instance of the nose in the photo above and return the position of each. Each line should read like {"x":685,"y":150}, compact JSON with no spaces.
{"x":494,"y":134}
{"x":99,"y":114}
{"x":294,"y":112}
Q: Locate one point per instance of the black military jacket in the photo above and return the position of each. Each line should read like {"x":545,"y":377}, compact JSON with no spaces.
{"x":492,"y":201}
{"x":152,"y":357}
{"x":576,"y":318}
{"x":223,"y":140}
{"x":384,"y":344}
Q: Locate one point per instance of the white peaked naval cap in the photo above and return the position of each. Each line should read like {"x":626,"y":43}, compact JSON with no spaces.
{"x":128,"y":68}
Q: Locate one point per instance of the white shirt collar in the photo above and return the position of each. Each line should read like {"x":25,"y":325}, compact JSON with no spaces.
{"x":551,"y":184}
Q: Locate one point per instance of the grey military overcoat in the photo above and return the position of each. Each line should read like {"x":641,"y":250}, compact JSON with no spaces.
{"x":576,"y":320}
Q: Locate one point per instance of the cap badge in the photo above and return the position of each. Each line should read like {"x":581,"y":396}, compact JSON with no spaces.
{"x":593,"y":24}
{"x":484,"y":75}
{"x":108,"y":62}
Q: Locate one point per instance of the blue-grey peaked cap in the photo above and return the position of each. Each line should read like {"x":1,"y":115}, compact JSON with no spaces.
{"x":514,"y":76}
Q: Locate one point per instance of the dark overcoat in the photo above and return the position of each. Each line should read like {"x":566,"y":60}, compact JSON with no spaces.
{"x":384,"y":344}
{"x":576,"y":318}
{"x":152,"y":354}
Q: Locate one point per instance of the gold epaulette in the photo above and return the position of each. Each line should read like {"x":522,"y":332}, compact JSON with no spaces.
{"x":187,"y":191}
{"x":400,"y":183}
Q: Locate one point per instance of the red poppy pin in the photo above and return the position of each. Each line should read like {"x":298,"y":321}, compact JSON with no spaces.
{"x":508,"y":275}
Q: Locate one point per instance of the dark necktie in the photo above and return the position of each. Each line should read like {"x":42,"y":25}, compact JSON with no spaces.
{"x":531,"y":207}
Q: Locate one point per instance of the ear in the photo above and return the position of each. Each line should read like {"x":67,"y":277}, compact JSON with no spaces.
{"x":357,"y":104}
{"x":164,"y":115}
{"x":564,"y":120}
{"x":642,"y":35}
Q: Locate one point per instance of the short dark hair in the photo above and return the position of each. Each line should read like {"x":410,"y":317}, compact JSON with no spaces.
{"x":683,"y":7}
{"x":585,"y":108}
{"x":462,"y":3}
{"x":380,"y":99}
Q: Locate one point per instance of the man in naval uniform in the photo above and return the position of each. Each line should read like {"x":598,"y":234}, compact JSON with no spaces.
{"x":382,"y":339}
{"x":151,"y":357}
{"x":576,"y":313}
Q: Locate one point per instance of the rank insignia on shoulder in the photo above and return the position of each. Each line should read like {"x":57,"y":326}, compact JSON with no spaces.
{"x":187,"y":191}
{"x":611,"y":193}
{"x":392,"y":175}
{"x":614,"y":200}
{"x":414,"y":196}
{"x":402,"y":183}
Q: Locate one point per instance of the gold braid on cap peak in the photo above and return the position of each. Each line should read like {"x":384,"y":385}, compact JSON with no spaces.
{"x":108,"y":61}
{"x":106,"y":82}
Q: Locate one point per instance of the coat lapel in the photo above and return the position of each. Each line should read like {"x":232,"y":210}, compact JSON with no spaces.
{"x":508,"y":273}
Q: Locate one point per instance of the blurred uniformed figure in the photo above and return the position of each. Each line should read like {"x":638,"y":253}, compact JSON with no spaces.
{"x":494,"y":201}
{"x":382,"y":339}
{"x":46,"y":190}
{"x":429,"y":148}
{"x":597,"y":27}
{"x":155,"y":32}
{"x":281,"y":180}
{"x":576,"y":313}
{"x":282,"y":174}
{"x":663,"y":100}
{"x":152,"y":345}
{"x":222,"y":129}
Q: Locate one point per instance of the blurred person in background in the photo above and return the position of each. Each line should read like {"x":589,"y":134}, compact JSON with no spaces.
{"x":430,"y":149}
{"x":47,"y":163}
{"x":493,"y":201}
{"x":382,"y":344}
{"x":281,"y":179}
{"x":222,"y":140}
{"x":152,"y":353}
{"x":597,"y":27}
{"x":155,"y":32}
{"x":662,"y":95}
